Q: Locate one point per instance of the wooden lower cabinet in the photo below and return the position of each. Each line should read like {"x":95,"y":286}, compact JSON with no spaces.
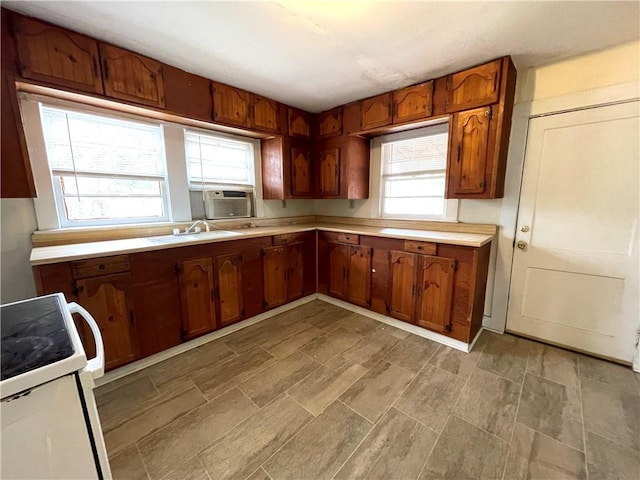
{"x":195,"y":278}
{"x":350,"y":273}
{"x":108,"y":299}
{"x":229,"y":289}
{"x":420,"y":290}
{"x":283,"y":274}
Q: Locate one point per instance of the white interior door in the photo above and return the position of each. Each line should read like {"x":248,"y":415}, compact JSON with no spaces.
{"x":575,"y":278}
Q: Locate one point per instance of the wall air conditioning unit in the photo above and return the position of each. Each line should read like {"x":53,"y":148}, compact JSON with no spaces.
{"x":227,"y":204}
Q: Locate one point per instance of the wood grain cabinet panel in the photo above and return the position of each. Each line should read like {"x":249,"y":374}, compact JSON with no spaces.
{"x":195,"y":278}
{"x":435,"y":292}
{"x":402,"y":285}
{"x":229,"y":289}
{"x":376,"y":111}
{"x":329,"y":166}
{"x":132,"y":77}
{"x":301,"y":172}
{"x":274,"y":262}
{"x":108,"y":298}
{"x":231,"y":105}
{"x":338,"y":268}
{"x":359,"y":275}
{"x":474,"y":87}
{"x":295,"y":271}
{"x":55,"y":55}
{"x":264,"y":114}
{"x":330,"y":123}
{"x":412,"y":103}
{"x":469,"y":152}
{"x":299,"y":123}
{"x":187,"y":95}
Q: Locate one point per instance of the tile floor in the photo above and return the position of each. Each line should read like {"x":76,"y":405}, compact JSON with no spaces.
{"x":319,"y":392}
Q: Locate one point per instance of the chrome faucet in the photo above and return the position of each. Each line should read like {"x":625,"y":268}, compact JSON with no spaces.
{"x":195,"y":224}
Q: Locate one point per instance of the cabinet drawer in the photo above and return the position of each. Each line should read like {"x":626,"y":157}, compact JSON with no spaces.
{"x":288,"y":238}
{"x":100,"y":266}
{"x":349,"y":238}
{"x":420,"y":247}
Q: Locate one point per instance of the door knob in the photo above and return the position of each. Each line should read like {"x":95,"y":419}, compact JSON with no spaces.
{"x":525,"y":228}
{"x":521,"y":245}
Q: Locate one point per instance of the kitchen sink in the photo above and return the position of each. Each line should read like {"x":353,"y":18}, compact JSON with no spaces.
{"x":169,"y":239}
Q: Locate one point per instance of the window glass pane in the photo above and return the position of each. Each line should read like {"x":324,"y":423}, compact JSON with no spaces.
{"x":218,"y":160}
{"x":109,"y":186}
{"x":104,"y":168}
{"x":413,"y":174}
{"x":93,"y":143}
{"x":418,"y":206}
{"x":107,"y":208}
{"x":415,"y":186}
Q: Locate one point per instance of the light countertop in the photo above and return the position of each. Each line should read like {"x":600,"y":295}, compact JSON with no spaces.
{"x":82,"y":251}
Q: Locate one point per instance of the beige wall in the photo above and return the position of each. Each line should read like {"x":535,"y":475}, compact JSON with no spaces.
{"x":18,"y":220}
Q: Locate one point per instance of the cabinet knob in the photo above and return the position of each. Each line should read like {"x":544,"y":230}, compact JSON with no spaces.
{"x":525,"y":228}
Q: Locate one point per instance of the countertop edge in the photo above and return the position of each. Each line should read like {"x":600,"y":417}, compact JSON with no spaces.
{"x":474,"y":240}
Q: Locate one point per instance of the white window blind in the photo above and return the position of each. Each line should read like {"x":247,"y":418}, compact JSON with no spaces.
{"x":413,"y":174}
{"x":105,"y":169}
{"x":213,"y":159}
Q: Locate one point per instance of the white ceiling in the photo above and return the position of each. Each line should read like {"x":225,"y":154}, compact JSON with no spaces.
{"x":316,"y":55}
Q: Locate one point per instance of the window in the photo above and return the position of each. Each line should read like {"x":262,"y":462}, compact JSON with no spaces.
{"x":218,"y":160}
{"x":104,"y":169}
{"x":413,"y":166}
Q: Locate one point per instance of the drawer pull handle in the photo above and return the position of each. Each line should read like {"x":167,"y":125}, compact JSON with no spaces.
{"x":420,"y":247}
{"x":102,"y":266}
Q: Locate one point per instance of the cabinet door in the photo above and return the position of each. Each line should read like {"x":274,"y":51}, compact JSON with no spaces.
{"x":132,"y":77}
{"x":402,"y":289}
{"x":295,"y":271}
{"x":376,"y":111}
{"x":468,"y":152}
{"x":330,"y":122}
{"x":197,"y":297}
{"x":58,"y":56}
{"x":229,"y":288}
{"x":108,"y":300}
{"x":301,"y":171}
{"x":264,"y":114}
{"x":330,"y":172}
{"x":338,"y":269}
{"x":299,"y":123}
{"x":473,"y":88}
{"x":412,"y":103}
{"x":230,"y":105}
{"x":435,"y":292}
{"x":359,"y":275}
{"x":274,"y":262}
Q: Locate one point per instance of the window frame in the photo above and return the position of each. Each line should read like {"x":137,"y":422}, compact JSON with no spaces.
{"x":450,"y":213}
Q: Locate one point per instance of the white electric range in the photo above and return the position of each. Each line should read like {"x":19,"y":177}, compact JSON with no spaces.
{"x":50,"y":425}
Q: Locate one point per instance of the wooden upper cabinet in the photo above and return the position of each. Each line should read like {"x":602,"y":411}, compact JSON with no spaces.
{"x":301,"y":171}
{"x":274,"y":264}
{"x":186,"y":94}
{"x":402,"y":285}
{"x":55,"y":55}
{"x":469,"y":152}
{"x":435,"y":292}
{"x":231,"y":105}
{"x":330,"y":123}
{"x":195,"y":278}
{"x":109,"y":300}
{"x":299,"y":123}
{"x":329,"y":166}
{"x":229,"y":288}
{"x":376,"y":111}
{"x":132,"y":77}
{"x":264,"y":114}
{"x":359,"y":275}
{"x":474,"y":87}
{"x":412,"y":103}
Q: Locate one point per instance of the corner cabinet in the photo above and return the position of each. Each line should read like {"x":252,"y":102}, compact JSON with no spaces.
{"x":350,"y":273}
{"x":132,"y":77}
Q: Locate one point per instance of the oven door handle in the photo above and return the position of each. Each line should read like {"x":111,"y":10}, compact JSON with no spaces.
{"x":96,"y":365}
